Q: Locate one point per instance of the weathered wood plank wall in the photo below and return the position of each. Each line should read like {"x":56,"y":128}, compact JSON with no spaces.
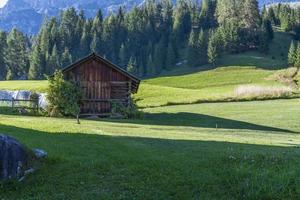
{"x":100,"y":84}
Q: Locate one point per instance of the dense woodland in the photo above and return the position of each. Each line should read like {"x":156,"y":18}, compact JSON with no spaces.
{"x":147,"y":39}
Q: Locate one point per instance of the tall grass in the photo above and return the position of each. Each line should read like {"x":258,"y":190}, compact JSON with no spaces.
{"x":253,"y":91}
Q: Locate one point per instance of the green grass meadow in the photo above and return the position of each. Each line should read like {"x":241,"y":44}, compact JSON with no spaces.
{"x":200,"y":151}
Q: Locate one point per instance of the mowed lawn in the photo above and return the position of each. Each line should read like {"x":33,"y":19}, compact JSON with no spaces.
{"x":246,"y":150}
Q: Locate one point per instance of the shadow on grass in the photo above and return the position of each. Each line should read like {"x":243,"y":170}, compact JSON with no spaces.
{"x":151,"y":167}
{"x":199,"y":121}
{"x":182,"y":119}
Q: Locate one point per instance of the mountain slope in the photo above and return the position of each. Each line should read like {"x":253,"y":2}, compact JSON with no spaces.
{"x":27,"y":15}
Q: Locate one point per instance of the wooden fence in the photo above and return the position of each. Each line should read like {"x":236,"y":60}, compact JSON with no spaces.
{"x":20,"y":104}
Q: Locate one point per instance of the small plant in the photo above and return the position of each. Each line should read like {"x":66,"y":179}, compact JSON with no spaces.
{"x":63,"y":96}
{"x":129,"y":112}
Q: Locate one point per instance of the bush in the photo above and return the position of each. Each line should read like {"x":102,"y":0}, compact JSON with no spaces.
{"x":34,"y":97}
{"x":63,"y":96}
{"x":129,"y":112}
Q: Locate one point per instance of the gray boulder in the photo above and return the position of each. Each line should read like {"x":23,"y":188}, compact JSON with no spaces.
{"x":13,"y":158}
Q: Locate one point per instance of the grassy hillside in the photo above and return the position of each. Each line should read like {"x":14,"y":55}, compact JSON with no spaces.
{"x":209,"y":85}
{"x":207,"y":151}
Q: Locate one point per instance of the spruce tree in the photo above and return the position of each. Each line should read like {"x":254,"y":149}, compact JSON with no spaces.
{"x":123,"y":56}
{"x":212,"y":52}
{"x":292,"y":55}
{"x":36,"y":62}
{"x":3,"y":47}
{"x":297,"y":60}
{"x":182,"y":21}
{"x":159,"y":58}
{"x":16,"y":56}
{"x":251,"y":16}
{"x":192,"y":54}
{"x":132,"y":65}
{"x":66,"y":58}
{"x":263,"y":42}
{"x":53,"y":61}
{"x":171,"y":56}
{"x":202,"y":45}
{"x":151,"y":70}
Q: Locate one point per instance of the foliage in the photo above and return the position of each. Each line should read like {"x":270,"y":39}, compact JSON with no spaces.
{"x":63,"y":96}
{"x":128,"y":112}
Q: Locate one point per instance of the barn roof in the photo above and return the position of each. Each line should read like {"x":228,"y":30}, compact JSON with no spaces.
{"x":135,"y":80}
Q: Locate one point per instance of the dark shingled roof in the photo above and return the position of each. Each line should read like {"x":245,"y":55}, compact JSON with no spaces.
{"x":135,"y":80}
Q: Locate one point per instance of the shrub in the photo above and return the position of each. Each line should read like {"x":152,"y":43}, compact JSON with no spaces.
{"x":34,"y":97}
{"x":128,"y":112}
{"x":63,"y":96}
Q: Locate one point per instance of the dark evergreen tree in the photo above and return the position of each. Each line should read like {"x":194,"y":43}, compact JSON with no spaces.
{"x":193,"y":50}
{"x":132,"y":65}
{"x":171,"y":56}
{"x":36,"y":62}
{"x":16,"y":56}
{"x":182,"y":21}
{"x":3,"y":46}
{"x":297,"y":60}
{"x":292,"y":56}
{"x":212,"y":52}
{"x":66,"y":58}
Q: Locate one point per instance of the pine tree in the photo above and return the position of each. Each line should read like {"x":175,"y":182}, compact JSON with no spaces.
{"x":53,"y":61}
{"x":297,"y":60}
{"x":132,"y":65}
{"x":192,"y":54}
{"x":227,"y":11}
{"x":66,"y":58}
{"x":212,"y":52}
{"x":263,"y":42}
{"x":207,"y":18}
{"x":16,"y":55}
{"x":267,"y":27}
{"x":182,"y":21}
{"x":251,"y":16}
{"x":292,"y":55}
{"x":151,"y":70}
{"x":36,"y":62}
{"x":171,"y":56}
{"x":123,"y":56}
{"x":159,"y":58}
{"x":202,"y":45}
{"x":96,"y":44}
{"x":3,"y":46}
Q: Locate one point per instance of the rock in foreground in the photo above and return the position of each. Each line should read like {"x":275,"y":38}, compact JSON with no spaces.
{"x":13,"y":158}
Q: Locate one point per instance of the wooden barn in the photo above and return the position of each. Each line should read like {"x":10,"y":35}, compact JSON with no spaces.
{"x":102,"y":83}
